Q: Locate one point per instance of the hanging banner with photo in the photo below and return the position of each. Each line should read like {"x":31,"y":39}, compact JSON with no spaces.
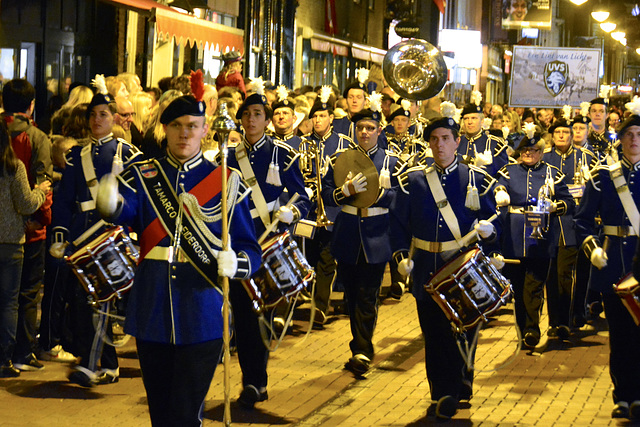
{"x":553,"y":77}
{"x":526,"y":14}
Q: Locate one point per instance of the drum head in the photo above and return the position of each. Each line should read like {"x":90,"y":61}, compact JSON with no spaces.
{"x":452,"y":267}
{"x":627,"y":285}
{"x":355,"y":161}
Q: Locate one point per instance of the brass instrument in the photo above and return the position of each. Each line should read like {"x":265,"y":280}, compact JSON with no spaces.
{"x":321,"y":215}
{"x":356,"y":161}
{"x":540,"y":215}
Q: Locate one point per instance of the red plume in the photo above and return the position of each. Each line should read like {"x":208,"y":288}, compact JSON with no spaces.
{"x":197,"y":84}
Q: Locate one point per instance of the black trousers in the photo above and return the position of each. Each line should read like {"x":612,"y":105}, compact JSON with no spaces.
{"x":579,"y":299}
{"x":57,"y":305}
{"x":624,"y":343}
{"x":560,"y":283}
{"x":527,"y":279}
{"x":362,"y":283}
{"x":30,"y":283}
{"x":446,"y":369}
{"x":177,"y":379}
{"x":319,"y":254}
{"x":252,"y":353}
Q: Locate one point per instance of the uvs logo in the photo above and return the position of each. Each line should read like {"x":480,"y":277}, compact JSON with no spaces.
{"x":555,"y":76}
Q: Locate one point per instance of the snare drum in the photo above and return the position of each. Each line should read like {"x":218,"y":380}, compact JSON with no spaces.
{"x":468,"y":289}
{"x":106,"y":266}
{"x":628,"y":290}
{"x":284,"y":273}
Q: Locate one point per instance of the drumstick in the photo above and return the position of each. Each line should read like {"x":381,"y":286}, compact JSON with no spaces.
{"x":471,"y":236}
{"x":511,"y":261}
{"x":275,"y":221}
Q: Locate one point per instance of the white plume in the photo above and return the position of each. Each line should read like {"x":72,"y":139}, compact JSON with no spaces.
{"x":362,"y":74}
{"x":282,"y":92}
{"x":476,"y":97}
{"x":325,"y":93}
{"x":633,"y":106}
{"x":458,"y":115}
{"x":486,"y":123}
{"x":375,"y":101}
{"x":566,"y":112}
{"x":529,"y":129}
{"x":257,"y":85}
{"x":505,"y":132}
{"x":100,"y":84}
{"x":584,"y":108}
{"x":406,"y":104}
{"x":604,"y":91}
{"x":448,"y":109}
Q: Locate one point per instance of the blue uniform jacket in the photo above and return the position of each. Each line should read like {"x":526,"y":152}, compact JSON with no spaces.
{"x":483,"y":141}
{"x":344,"y":126}
{"x":352,"y":232}
{"x":73,"y":210}
{"x":418,"y":215}
{"x":260,"y":156}
{"x":562,"y":231}
{"x":600,"y":196}
{"x":173,"y":303}
{"x":523,"y":183}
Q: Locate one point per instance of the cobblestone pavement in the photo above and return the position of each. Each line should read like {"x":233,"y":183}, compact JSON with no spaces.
{"x":559,"y":384}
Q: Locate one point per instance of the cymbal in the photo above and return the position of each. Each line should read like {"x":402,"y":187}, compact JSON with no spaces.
{"x":355,"y":161}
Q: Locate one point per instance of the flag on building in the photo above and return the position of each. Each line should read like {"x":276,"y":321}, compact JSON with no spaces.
{"x":441,"y":5}
{"x":330,"y":19}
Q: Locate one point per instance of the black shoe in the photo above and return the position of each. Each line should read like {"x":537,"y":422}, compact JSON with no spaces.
{"x":595,"y":308}
{"x":30,"y":363}
{"x":634,"y":410}
{"x":278,"y":325}
{"x":250,"y":396}
{"x":396,"y":290}
{"x":466,"y":393}
{"x":447,"y":407}
{"x":531,"y":339}
{"x":8,"y":370}
{"x":621,"y":410}
{"x":107,"y":376}
{"x":431,"y":410}
{"x":319,"y":318}
{"x":552,"y":332}
{"x":82,"y":379}
{"x":563,"y":332}
{"x":358,"y":364}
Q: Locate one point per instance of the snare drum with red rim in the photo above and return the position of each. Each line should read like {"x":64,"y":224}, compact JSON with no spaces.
{"x":468,"y":289}
{"x":106,"y":266}
{"x":284,"y":273}
{"x":628,"y":290}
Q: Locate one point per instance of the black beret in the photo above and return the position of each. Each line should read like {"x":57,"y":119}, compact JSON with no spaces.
{"x":98,"y":99}
{"x":320,"y":106}
{"x":182,"y":106}
{"x":560,"y":123}
{"x":471,"y":109}
{"x":253,"y":99}
{"x":354,"y":85}
{"x":598,"y":101}
{"x":632,"y":120}
{"x":285,"y":103}
{"x":398,"y":111}
{"x":442,"y":122}
{"x":579,"y":118}
{"x":527,"y":142}
{"x":366,"y":114}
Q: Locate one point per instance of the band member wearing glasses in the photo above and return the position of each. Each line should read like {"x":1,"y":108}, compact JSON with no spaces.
{"x":519,"y":192}
{"x":614,"y":193}
{"x":435,"y":209}
{"x":175,"y":305}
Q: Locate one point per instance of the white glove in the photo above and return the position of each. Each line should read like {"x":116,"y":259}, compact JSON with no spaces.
{"x":227,"y":263}
{"x":285,"y":214}
{"x":497,"y":261}
{"x":108,"y":196}
{"x":57,"y":249}
{"x":502,"y":198}
{"x":309,"y":192}
{"x":405,"y":267}
{"x":355,"y":185}
{"x":599,"y":258}
{"x":484,"y":228}
{"x":483,"y":158}
{"x":552,"y":205}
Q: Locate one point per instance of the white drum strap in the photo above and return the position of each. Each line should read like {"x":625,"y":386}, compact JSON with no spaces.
{"x":624,"y":194}
{"x":89,"y":177}
{"x":256,"y":193}
{"x":443,"y":204}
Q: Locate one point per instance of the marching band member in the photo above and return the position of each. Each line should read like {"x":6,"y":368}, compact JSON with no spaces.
{"x":360,"y":238}
{"x":599,"y":139}
{"x":519,"y":190}
{"x":269,"y":166}
{"x":402,"y":139}
{"x":574,"y":163}
{"x":435,"y":207}
{"x":75,"y":219}
{"x":284,"y":116}
{"x":175,"y":305}
{"x":355,"y":95}
{"x":614,"y":193}
{"x":478,"y":146}
{"x":319,"y":248}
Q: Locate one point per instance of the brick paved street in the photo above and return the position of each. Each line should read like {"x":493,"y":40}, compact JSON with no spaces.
{"x":560,"y":385}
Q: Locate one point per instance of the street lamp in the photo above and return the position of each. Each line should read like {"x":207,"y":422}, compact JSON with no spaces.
{"x":579,"y":2}
{"x":618,"y":35}
{"x":607,"y":27}
{"x":599,"y":12}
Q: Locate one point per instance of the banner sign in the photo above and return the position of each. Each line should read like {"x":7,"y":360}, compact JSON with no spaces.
{"x":553,"y":77}
{"x":526,"y":13}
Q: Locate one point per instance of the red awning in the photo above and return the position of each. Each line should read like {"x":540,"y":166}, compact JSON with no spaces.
{"x":189,"y":29}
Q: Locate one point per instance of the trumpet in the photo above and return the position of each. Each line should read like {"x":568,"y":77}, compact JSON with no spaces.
{"x":543,"y":209}
{"x":311,"y":159}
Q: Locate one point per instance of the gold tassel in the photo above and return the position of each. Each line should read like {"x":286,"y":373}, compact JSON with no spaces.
{"x":472,"y":200}
{"x":385,"y":179}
